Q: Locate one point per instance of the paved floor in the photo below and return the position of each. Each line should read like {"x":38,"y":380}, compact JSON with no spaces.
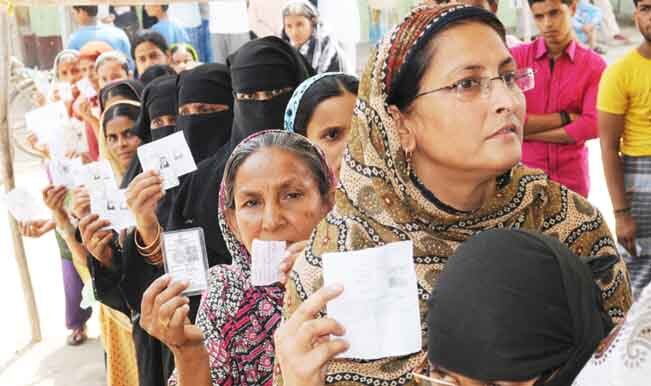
{"x":52,"y":363}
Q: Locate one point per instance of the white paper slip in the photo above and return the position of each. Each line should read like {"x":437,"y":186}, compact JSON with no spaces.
{"x":98,"y":176}
{"x":111,"y":205}
{"x":47,"y":122}
{"x":24,"y":206}
{"x":75,"y":136}
{"x":41,"y":81}
{"x":185,"y":258}
{"x":265,"y":261}
{"x":63,"y":90}
{"x":65,"y":172}
{"x":379,"y":306}
{"x":86,"y":88}
{"x":170,"y":156}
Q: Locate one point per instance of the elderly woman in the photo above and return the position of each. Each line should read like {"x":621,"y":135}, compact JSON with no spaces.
{"x":434,"y":158}
{"x":277,"y":186}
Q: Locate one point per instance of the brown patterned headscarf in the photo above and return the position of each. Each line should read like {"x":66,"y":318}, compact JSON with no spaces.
{"x":378,"y":202}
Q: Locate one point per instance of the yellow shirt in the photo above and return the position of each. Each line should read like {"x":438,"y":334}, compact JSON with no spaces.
{"x":625,"y":89}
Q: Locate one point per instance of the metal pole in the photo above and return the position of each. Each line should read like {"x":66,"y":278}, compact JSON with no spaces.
{"x":8,"y":175}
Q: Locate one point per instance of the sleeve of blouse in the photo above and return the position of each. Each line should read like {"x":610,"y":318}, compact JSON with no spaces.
{"x":582,"y":228}
{"x":585,"y":127}
{"x":217,"y":305}
{"x":106,"y":284}
{"x":136,"y":273}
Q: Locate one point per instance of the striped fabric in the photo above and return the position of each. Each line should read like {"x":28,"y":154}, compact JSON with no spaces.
{"x":637,"y":181}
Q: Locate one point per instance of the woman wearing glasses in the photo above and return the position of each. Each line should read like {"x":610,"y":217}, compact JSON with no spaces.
{"x":434,"y":158}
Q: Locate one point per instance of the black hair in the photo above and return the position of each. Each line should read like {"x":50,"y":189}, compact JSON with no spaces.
{"x":406,"y":85}
{"x":165,"y":7}
{"x":325,"y":88}
{"x":187,"y":47}
{"x":150,"y":36}
{"x":120,"y":110}
{"x":156,"y":71}
{"x":117,"y":90}
{"x":566,"y":2}
{"x":91,"y":10}
{"x":635,"y":2}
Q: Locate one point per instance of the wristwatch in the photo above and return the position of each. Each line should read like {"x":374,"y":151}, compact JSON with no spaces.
{"x":565,"y":118}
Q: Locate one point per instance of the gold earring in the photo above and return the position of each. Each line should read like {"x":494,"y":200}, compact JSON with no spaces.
{"x":408,"y":161}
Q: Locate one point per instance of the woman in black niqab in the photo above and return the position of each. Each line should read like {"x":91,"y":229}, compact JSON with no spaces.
{"x":516,"y":306}
{"x":205,"y":99}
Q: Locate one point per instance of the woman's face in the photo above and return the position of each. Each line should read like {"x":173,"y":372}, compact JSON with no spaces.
{"x":69,"y":71}
{"x":162,"y":121}
{"x":329,"y":127}
{"x":121,"y":141}
{"x":274,"y":200}
{"x":87,"y":67}
{"x":298,"y":29}
{"x":480,"y":135}
{"x":111,"y":71}
{"x":182,"y":60}
{"x":153,"y":10}
{"x":148,"y":54}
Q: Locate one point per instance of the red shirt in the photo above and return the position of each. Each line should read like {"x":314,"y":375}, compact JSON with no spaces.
{"x":571,"y":86}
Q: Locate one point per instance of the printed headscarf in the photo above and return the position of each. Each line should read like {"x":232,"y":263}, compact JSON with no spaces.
{"x":297,"y":97}
{"x":624,"y":357}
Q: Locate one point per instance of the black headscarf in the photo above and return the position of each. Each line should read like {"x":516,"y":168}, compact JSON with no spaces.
{"x":155,"y":72}
{"x":206,"y":133}
{"x":129,"y":88}
{"x":264,"y":64}
{"x":513,"y":305}
{"x":158,"y":99}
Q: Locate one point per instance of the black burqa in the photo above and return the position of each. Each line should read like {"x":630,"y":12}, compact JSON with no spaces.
{"x":513,"y":305}
{"x":208,"y":84}
{"x":264,"y":64}
{"x":155,"y":362}
{"x":130,"y":89}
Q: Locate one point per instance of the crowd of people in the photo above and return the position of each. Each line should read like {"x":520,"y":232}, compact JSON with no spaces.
{"x":457,"y":138}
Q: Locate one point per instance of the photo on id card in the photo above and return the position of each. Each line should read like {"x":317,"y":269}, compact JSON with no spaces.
{"x":185,"y":258}
{"x":152,"y":159}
